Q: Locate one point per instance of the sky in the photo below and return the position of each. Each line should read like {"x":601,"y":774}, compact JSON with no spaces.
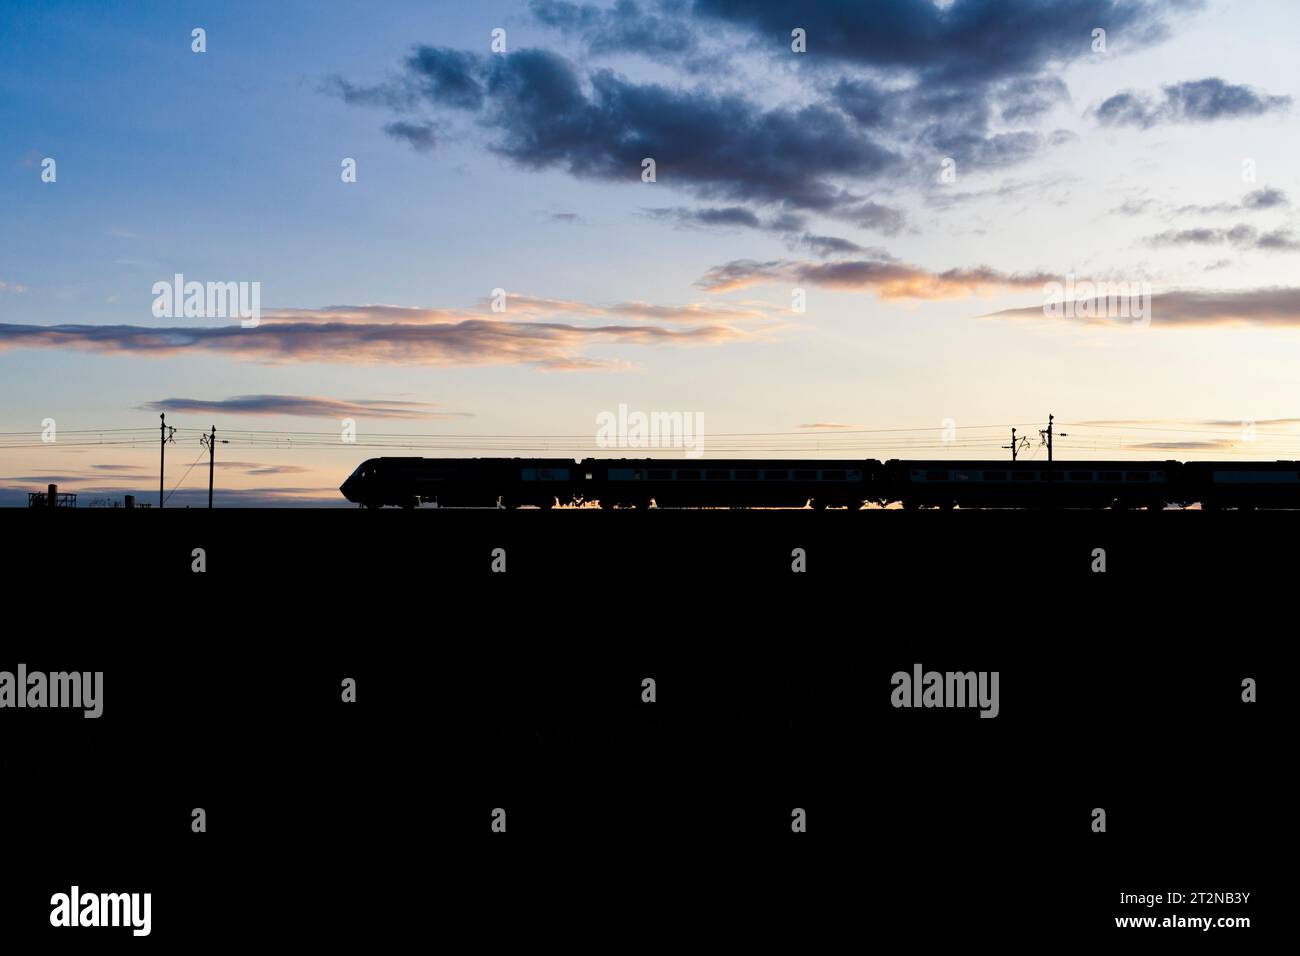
{"x":848,"y":250}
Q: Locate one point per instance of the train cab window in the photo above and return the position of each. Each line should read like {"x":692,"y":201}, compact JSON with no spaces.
{"x":805,"y":475}
{"x":1139,"y":476}
{"x":688,"y":474}
{"x":834,"y":474}
{"x":774,"y":475}
{"x":1024,"y":476}
{"x":1108,"y":476}
{"x":717,"y":474}
{"x":995,"y":476}
{"x":659,"y":474}
{"x":936,"y":476}
{"x":1081,"y":476}
{"x":747,"y":475}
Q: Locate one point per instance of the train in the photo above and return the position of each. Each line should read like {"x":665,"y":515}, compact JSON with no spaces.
{"x":774,"y":483}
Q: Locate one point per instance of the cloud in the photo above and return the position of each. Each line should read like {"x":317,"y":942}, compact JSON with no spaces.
{"x":1268,"y":197}
{"x":627,"y":27}
{"x":543,"y":113}
{"x":888,"y":279}
{"x":884,"y":91}
{"x":397,"y":335}
{"x":827,"y":246}
{"x":1240,"y":236}
{"x":1193,"y":101}
{"x":419,"y":136}
{"x":825,"y":425}
{"x":1277,"y":307}
{"x":302,"y":405}
{"x":964,"y":42}
{"x":1213,"y":444}
{"x":716,"y":216}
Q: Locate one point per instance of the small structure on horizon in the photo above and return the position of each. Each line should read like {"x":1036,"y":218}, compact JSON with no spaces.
{"x":50,"y":498}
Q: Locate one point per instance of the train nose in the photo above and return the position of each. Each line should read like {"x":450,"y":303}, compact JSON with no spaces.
{"x":348,"y":488}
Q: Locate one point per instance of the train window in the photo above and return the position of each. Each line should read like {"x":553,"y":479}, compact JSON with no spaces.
{"x":1024,"y":476}
{"x":1139,"y":476}
{"x":688,"y":474}
{"x":1108,"y":476}
{"x":805,"y":476}
{"x":966,"y":476}
{"x":834,"y":474}
{"x":659,"y":474}
{"x":773,"y":475}
{"x":1081,"y":476}
{"x":995,"y":476}
{"x":936,"y":476}
{"x":717,"y":474}
{"x":747,"y":475}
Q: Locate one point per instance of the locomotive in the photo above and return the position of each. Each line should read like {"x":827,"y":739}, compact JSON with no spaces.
{"x":774,"y":483}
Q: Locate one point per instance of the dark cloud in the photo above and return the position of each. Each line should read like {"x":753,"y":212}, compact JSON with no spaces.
{"x":1241,"y":236}
{"x":888,"y":279}
{"x":419,"y":136}
{"x":542,"y":116}
{"x":1193,"y":101}
{"x":928,"y":80}
{"x":966,"y":42}
{"x":449,"y":77}
{"x":1266,"y":198}
{"x":1029,"y":97}
{"x":826,"y":246}
{"x":1270,"y":307}
{"x":723,"y":216}
{"x":654,"y":30}
{"x":301,"y":405}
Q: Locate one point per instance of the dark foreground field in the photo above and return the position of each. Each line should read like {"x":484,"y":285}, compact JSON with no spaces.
{"x":862,"y":550}
{"x":333,"y":822}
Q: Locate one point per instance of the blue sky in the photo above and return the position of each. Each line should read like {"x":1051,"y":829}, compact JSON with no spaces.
{"x":1125,"y":165}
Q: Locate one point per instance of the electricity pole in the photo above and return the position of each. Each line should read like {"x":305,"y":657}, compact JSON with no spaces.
{"x":165,"y":435}
{"x":211,"y":442}
{"x":1046,"y":435}
{"x":1012,"y":446}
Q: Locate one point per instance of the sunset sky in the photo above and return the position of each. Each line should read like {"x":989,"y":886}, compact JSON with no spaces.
{"x":1169,"y":157}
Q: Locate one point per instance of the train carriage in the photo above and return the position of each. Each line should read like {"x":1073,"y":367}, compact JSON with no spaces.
{"x":1031,"y":484}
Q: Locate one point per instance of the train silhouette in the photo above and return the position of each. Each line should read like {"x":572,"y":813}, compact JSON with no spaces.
{"x":754,"y":483}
